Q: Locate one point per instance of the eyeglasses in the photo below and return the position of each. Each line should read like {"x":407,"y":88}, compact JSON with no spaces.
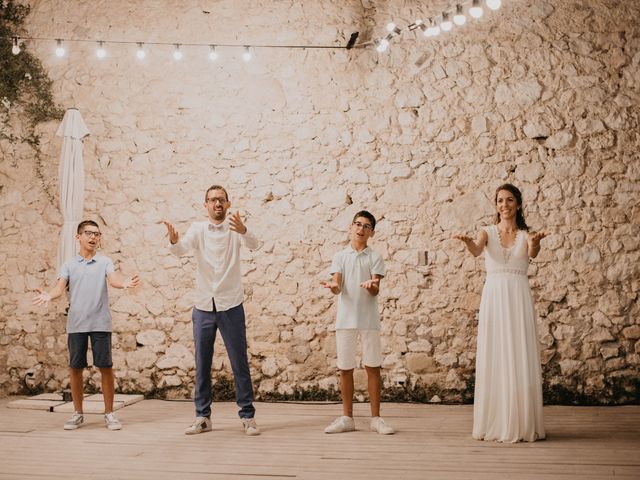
{"x":91,"y":234}
{"x":364,"y":226}
{"x":220,"y":200}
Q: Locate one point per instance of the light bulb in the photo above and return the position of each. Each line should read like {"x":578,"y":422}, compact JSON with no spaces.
{"x":446,"y":24}
{"x":383,"y":44}
{"x":140,"y":53}
{"x":15,"y":49}
{"x":435,"y":31}
{"x":246,"y":55}
{"x":177,"y":54}
{"x":494,"y":4}
{"x":459,"y":18}
{"x":101,"y":52}
{"x":213,"y":55}
{"x":476,"y":10}
{"x":59,"y":49}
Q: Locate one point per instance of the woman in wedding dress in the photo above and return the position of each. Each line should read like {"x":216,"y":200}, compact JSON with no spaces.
{"x":508,"y":389}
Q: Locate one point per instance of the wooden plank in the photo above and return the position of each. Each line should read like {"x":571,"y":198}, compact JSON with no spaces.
{"x":433,"y":441}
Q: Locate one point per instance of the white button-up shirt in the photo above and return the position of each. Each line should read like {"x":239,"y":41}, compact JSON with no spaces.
{"x":217,"y":252}
{"x":357,"y":308}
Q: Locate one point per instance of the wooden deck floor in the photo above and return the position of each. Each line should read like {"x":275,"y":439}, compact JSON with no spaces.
{"x":433,"y":442}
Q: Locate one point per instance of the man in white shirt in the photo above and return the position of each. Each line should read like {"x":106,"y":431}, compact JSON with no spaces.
{"x":219,"y":295}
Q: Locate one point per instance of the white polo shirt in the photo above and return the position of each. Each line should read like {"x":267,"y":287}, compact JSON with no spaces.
{"x":357,"y":308}
{"x":217,"y":252}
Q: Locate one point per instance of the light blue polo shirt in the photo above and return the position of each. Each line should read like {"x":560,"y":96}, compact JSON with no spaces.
{"x":87,"y":280}
{"x":357,"y":308}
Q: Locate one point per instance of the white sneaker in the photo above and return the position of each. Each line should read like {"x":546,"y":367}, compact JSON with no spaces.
{"x":250,"y":427}
{"x":378,"y":425}
{"x":199,"y":425}
{"x":112,"y":422}
{"x":341,"y":424}
{"x":74,"y":422}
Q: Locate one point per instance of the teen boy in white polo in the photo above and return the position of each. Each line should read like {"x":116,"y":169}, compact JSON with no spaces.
{"x":356,"y":273}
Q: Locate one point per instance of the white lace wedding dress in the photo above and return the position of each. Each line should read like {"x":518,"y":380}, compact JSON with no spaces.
{"x":508,"y":389}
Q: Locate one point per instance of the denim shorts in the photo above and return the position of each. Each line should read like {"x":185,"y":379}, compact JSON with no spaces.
{"x":78,"y":344}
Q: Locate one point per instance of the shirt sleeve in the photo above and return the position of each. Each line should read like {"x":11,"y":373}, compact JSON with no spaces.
{"x":108,"y":267}
{"x":249,"y":240}
{"x":377,"y":265}
{"x":64,"y":271}
{"x":186,"y":243}
{"x":336,"y":265}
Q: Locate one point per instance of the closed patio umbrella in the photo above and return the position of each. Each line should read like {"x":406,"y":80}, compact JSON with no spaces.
{"x":71,"y":172}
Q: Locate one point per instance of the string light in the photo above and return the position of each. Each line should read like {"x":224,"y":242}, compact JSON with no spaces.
{"x":177,"y":54}
{"x":246,"y":55}
{"x":429,"y":29}
{"x":459,"y":18}
{"x":59,"y":48}
{"x":476,"y":10}
{"x":446,"y":24}
{"x":433,"y":30}
{"x":101,"y":52}
{"x":393,"y":28}
{"x":213,"y":55}
{"x":15,"y":49}
{"x":140,"y":53}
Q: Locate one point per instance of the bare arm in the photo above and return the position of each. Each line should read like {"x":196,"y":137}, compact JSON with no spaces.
{"x":45,"y":297}
{"x":476,"y":247}
{"x":534,"y":243}
{"x":372,"y":286}
{"x":118,"y":280}
{"x":335,"y":284}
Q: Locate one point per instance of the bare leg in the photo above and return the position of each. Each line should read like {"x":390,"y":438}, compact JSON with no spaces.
{"x":346,"y":389}
{"x":108,"y":388}
{"x":77,"y":387}
{"x":374,"y":384}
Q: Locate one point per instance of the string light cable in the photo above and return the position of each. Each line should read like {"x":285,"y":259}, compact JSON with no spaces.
{"x":445,"y":21}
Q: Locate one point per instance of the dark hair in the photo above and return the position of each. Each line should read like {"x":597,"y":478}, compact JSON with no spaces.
{"x":84,"y":223}
{"x":520,"y":223}
{"x":215,"y":187}
{"x":368,"y":216}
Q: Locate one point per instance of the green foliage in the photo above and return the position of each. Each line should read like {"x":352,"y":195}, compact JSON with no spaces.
{"x":25,"y":87}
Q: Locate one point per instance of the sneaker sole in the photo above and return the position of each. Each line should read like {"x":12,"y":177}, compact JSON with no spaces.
{"x":71,"y":427}
{"x":199,"y":431}
{"x":109,"y":427}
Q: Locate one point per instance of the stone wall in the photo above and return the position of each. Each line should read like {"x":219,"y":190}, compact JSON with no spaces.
{"x":544,"y":94}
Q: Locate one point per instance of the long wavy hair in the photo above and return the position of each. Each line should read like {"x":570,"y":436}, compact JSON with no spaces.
{"x":520,"y":223}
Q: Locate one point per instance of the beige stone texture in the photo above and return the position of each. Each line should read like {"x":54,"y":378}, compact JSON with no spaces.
{"x":543,"y":94}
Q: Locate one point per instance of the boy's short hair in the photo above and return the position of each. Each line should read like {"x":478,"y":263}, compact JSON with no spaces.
{"x":368,"y":216}
{"x":216,"y":187}
{"x":84,"y":223}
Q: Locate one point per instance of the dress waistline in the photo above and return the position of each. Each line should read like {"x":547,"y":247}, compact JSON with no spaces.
{"x":507,"y":270}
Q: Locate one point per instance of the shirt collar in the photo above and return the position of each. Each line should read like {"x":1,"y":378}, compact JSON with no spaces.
{"x":353,"y":250}
{"x":80,"y":259}
{"x":213,"y":227}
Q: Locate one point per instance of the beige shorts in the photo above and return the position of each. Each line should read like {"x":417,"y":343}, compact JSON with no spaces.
{"x":347,"y":342}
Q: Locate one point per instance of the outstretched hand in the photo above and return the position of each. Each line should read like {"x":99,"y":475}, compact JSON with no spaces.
{"x":463,"y":238}
{"x":41,"y":298}
{"x":332,"y":285}
{"x":371,"y":283}
{"x":131,"y":282}
{"x":236,"y":225}
{"x":171,"y":231}
{"x":535,"y":238}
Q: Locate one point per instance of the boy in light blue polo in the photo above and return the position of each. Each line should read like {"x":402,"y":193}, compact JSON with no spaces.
{"x":356,"y":274}
{"x":87,"y":275}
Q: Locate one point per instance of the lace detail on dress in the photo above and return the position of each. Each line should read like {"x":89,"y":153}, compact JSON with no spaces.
{"x":497,"y":271}
{"x":506,"y":251}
